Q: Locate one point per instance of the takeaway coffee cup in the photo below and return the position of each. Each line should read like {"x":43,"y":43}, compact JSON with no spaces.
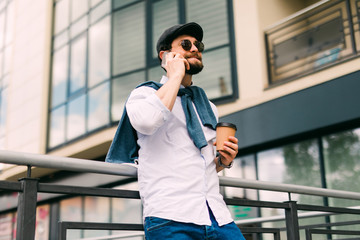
{"x":223,"y":131}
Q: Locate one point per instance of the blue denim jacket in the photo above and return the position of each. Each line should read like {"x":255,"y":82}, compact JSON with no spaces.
{"x":124,"y":147}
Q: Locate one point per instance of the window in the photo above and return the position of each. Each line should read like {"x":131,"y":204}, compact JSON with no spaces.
{"x":297,"y":163}
{"x":330,"y":161}
{"x":103,"y":49}
{"x":313,"y":40}
{"x":342,"y":169}
{"x":244,"y":168}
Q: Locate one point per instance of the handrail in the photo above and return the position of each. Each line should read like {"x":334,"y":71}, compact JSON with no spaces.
{"x":29,"y":188}
{"x":90,"y":166}
{"x":288,"y":188}
{"x":66,"y":163}
{"x":282,"y":217}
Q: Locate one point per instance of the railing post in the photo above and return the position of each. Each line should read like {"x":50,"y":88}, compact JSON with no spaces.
{"x":26,"y":213}
{"x":292,"y":221}
{"x":62,"y":230}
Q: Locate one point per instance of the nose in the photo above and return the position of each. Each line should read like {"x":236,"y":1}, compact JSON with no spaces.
{"x":194,"y":48}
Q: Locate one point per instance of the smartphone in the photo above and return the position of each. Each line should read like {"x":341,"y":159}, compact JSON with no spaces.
{"x":163,"y":61}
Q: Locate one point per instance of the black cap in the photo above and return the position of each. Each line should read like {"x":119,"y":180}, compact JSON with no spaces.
{"x":192,"y":29}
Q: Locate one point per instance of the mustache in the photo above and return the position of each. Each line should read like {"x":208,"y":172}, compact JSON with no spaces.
{"x":193,"y":55}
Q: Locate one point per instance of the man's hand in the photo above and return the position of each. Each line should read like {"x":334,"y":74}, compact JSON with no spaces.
{"x":229,"y":153}
{"x":176,"y":65}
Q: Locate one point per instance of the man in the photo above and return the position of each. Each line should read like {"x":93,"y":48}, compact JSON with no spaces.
{"x":177,"y":163}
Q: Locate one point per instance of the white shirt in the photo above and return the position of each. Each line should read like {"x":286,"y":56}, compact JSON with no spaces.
{"x":175,"y":178}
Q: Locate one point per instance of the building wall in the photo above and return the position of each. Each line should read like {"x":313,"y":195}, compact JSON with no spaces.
{"x":26,"y":121}
{"x":26,"y":118}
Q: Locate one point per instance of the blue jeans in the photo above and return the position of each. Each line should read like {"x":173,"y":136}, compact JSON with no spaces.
{"x":163,"y":229}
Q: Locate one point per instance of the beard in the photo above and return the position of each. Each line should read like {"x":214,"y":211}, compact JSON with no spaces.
{"x":196,"y":67}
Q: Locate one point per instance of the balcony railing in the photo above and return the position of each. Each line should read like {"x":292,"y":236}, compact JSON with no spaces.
{"x":28,"y":188}
{"x":323,"y":35}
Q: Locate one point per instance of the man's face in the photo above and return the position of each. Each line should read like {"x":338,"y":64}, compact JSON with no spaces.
{"x":193,"y":56}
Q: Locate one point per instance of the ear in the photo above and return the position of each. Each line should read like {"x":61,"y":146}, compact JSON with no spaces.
{"x":161,"y":54}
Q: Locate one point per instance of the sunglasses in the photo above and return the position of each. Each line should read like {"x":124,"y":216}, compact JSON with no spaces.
{"x":187,"y":44}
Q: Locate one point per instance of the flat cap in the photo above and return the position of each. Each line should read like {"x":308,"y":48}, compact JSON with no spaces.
{"x":192,"y":29}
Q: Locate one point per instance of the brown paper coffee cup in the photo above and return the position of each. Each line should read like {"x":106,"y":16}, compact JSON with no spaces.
{"x":223,"y":131}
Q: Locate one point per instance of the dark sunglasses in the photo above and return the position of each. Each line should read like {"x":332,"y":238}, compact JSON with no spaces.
{"x":187,"y":44}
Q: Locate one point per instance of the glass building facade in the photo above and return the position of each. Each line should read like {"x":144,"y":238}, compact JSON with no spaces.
{"x":330,"y":161}
{"x":104,"y":49}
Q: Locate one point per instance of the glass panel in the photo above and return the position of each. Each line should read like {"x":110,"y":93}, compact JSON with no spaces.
{"x":6,"y":226}
{"x":166,"y":14}
{"x":324,"y":36}
{"x":42,"y":222}
{"x":2,"y":4}
{"x":215,"y":78}
{"x":215,"y":28}
{"x":1,"y":64}
{"x":9,"y":23}
{"x":71,"y":210}
{"x":76,"y":118}
{"x":99,"y":52}
{"x":126,"y":210}
{"x":342,"y":167}
{"x":2,"y":29}
{"x":61,"y":39}
{"x":59,"y":76}
{"x":61,"y":15}
{"x":78,"y":64}
{"x":294,"y":164}
{"x":7,"y":59}
{"x":100,"y":11}
{"x":121,"y":89}
{"x":342,"y":163}
{"x":121,"y":3}
{"x":97,"y":209}
{"x":155,"y":73}
{"x":57,"y":127}
{"x":98,"y":115}
{"x":129,"y":39}
{"x":94,"y":2}
{"x":78,"y":8}
{"x":243,"y":168}
{"x":5,"y":80}
{"x":79,"y":26}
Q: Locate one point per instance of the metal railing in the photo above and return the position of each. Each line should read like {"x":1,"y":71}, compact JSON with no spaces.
{"x":28,"y":188}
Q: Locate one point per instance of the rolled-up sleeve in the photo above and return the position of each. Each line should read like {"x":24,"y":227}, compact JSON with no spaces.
{"x":146,"y":111}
